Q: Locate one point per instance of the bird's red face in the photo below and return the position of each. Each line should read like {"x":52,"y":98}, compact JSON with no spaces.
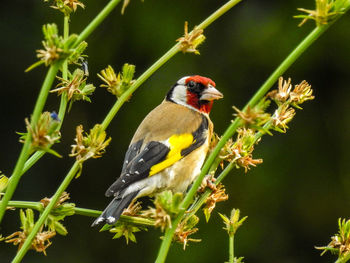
{"x":195,"y":92}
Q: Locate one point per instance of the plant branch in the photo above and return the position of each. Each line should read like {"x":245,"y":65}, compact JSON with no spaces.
{"x":97,"y":21}
{"x":83,"y":211}
{"x":107,"y":120}
{"x":291,"y":58}
{"x":231,"y":248}
{"x":160,"y":62}
{"x":344,"y":259}
{"x":16,"y":175}
{"x":63,"y":104}
{"x":73,"y":171}
{"x":23,"y":164}
{"x":64,"y":101}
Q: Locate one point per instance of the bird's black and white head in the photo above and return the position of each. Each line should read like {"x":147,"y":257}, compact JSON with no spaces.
{"x":195,"y":92}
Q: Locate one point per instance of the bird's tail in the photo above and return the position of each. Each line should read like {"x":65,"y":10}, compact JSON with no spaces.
{"x":115,"y":208}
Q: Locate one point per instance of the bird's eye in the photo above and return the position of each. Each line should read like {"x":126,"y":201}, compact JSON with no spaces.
{"x":191,"y":84}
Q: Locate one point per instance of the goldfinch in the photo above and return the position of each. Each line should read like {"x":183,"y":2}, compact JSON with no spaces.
{"x":168,"y":148}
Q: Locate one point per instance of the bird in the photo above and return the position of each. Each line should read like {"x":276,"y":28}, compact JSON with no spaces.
{"x":168,"y":148}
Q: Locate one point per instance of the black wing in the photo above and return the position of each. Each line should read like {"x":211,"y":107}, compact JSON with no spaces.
{"x":138,"y":163}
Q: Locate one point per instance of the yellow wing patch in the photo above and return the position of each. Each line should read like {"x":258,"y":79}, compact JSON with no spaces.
{"x":177,"y":144}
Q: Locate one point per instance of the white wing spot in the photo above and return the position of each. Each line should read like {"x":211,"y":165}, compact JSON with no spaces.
{"x":123,"y":181}
{"x":110,"y":219}
{"x":137,"y":172}
{"x":99,"y":220}
{"x":127,"y":175}
{"x":141,"y":160}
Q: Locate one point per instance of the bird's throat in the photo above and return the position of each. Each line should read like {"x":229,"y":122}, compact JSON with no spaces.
{"x":201,"y":106}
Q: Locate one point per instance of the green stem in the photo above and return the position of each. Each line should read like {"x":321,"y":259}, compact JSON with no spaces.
{"x":83,"y":211}
{"x":63,"y":104}
{"x":202,"y":199}
{"x":163,"y":251}
{"x":32,"y":160}
{"x":16,"y":175}
{"x":46,"y":212}
{"x":160,"y":62}
{"x":26,"y":204}
{"x":168,"y":55}
{"x":64,"y":101}
{"x":291,"y":58}
{"x":97,"y":21}
{"x":64,"y":98}
{"x":231,"y":248}
{"x":112,"y":112}
{"x":343,"y":259}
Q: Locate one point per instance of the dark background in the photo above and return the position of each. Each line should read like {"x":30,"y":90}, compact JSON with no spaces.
{"x":293,"y":200}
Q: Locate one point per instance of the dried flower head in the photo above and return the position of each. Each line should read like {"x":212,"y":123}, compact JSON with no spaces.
{"x":53,"y":45}
{"x":326,"y":10}
{"x":166,"y":207}
{"x":240,"y":151}
{"x":49,"y":54}
{"x":161,"y":217}
{"x":117,"y":84}
{"x":64,"y":197}
{"x":44,"y":133}
{"x":57,"y":47}
{"x":281,"y":95}
{"x":185,"y":229}
{"x":217,"y":195}
{"x":58,"y":213}
{"x":281,"y":117}
{"x":190,"y":41}
{"x":247,"y":161}
{"x":66,"y":6}
{"x":285,"y":95}
{"x":340,"y":242}
{"x":255,"y":116}
{"x":73,"y":4}
{"x":92,"y":145}
{"x":75,"y":87}
{"x":301,"y":93}
{"x":42,"y":239}
{"x":71,"y":86}
{"x":133,"y":209}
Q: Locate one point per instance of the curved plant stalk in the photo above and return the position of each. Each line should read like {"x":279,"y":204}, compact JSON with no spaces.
{"x":84,"y":212}
{"x":160,"y":62}
{"x":231,"y":249}
{"x":27,"y":244}
{"x":96,"y":21}
{"x":343,"y":259}
{"x":176,"y":48}
{"x":21,"y":165}
{"x":16,"y":175}
{"x":291,"y":58}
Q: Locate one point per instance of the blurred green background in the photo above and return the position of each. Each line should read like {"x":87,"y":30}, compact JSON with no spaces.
{"x":293,"y":200}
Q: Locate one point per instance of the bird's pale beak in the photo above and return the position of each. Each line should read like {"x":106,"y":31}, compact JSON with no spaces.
{"x":211,"y":93}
